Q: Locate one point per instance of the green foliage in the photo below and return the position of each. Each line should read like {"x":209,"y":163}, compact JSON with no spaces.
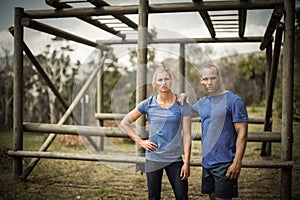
{"x":252,"y":67}
{"x":251,"y":72}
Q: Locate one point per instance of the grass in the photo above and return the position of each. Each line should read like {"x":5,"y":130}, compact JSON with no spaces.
{"x":68,"y":179}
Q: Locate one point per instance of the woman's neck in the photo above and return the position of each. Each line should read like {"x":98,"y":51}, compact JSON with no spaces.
{"x":167,"y":98}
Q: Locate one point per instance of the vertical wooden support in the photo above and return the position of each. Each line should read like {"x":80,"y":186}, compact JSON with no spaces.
{"x":266,"y":147}
{"x":141,"y":74}
{"x":287,"y":98}
{"x":182,"y":67}
{"x":18,"y":91}
{"x":100,"y":87}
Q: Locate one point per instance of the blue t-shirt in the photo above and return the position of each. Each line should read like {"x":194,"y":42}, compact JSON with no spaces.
{"x":164,"y":129}
{"x":218,"y":115}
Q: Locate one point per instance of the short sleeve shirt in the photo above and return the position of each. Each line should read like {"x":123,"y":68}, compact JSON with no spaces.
{"x":218,"y":115}
{"x":164,"y":129}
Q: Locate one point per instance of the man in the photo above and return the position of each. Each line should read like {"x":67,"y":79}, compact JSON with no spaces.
{"x":224,"y":122}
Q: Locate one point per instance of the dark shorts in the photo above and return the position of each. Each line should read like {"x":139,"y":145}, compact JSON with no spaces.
{"x":214,"y":180}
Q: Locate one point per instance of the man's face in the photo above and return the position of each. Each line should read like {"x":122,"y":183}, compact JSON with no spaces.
{"x":211,"y":81}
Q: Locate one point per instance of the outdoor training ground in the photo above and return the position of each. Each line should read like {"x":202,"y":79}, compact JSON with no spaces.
{"x":68,"y":179}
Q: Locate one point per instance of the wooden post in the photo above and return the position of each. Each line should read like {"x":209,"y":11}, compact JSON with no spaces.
{"x":18,"y":91}
{"x":141,"y":74}
{"x":100,"y":87}
{"x":182,"y":67}
{"x":287,"y":98}
{"x":266,"y":147}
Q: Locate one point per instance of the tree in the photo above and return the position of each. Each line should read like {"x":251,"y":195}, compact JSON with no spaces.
{"x":58,"y":66}
{"x":251,"y":71}
{"x":6,"y":100}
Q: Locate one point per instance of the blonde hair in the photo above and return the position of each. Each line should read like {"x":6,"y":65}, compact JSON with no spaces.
{"x":160,"y":70}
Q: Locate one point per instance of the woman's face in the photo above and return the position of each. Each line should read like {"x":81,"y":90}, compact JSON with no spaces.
{"x":163,"y":82}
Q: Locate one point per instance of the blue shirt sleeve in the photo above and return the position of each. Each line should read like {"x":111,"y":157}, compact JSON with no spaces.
{"x":239,"y":112}
{"x":143,"y":106}
{"x":186,"y":110}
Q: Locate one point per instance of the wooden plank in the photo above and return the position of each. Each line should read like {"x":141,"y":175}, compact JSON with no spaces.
{"x":185,"y":40}
{"x":242,"y":20}
{"x":135,"y":159}
{"x":59,"y":33}
{"x":116,"y":132}
{"x":206,"y":18}
{"x":257,"y":164}
{"x":153,"y":8}
{"x":266,"y":147}
{"x":52,"y":136}
{"x":252,"y":136}
{"x":275,"y":18}
{"x":41,"y":71}
{"x":18,"y":89}
{"x":78,"y":156}
{"x":74,"y":130}
{"x":58,"y":5}
{"x":287,"y":97}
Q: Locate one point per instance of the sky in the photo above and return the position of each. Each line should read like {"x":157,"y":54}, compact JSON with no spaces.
{"x":167,"y":25}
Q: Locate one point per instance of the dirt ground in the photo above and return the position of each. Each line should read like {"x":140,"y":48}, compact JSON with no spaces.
{"x":68,"y":179}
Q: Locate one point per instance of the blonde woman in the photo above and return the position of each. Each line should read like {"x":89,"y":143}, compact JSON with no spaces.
{"x":169,"y":136}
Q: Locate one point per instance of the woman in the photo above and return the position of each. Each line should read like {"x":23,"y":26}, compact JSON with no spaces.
{"x":167,"y":120}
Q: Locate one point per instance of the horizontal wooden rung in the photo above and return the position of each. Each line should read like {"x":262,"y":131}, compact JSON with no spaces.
{"x":258,"y":163}
{"x":78,"y":156}
{"x":117,"y":132}
{"x":252,"y":136}
{"x":134,"y":159}
{"x":119,"y":116}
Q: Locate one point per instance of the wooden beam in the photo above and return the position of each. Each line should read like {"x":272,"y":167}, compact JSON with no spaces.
{"x":252,"y":136}
{"x":41,"y":71}
{"x":18,"y":90}
{"x":242,"y":20}
{"x":256,"y":164}
{"x":137,"y":159}
{"x":186,"y":40}
{"x":266,"y":151}
{"x":154,"y":8}
{"x":122,"y":18}
{"x":287,"y":97}
{"x":79,"y":156}
{"x":52,"y":136}
{"x":275,"y":18}
{"x":116,"y":132}
{"x":206,"y":18}
{"x":59,"y":33}
{"x":56,"y":4}
{"x":75,"y":130}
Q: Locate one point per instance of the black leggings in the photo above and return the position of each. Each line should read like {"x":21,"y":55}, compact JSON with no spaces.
{"x":154,"y":171}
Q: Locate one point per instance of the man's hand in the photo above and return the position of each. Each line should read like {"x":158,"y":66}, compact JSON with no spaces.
{"x":233,"y":171}
{"x":182,"y":98}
